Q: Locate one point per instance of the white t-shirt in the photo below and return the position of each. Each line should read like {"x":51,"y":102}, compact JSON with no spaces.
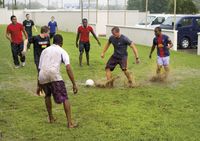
{"x":50,"y":61}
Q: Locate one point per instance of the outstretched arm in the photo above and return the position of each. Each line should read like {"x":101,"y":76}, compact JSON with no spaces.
{"x":105,"y":49}
{"x":135,"y":51}
{"x":71,"y":77}
{"x":94,"y":35}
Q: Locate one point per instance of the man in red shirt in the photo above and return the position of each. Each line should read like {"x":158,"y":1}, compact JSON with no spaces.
{"x":84,"y":43}
{"x":14,"y":35}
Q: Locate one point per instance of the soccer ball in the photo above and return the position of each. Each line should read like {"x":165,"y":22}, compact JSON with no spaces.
{"x":89,"y":83}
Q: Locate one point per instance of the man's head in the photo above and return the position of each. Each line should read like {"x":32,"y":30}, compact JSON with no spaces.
{"x":84,"y":22}
{"x":44,"y":29}
{"x":116,"y":31}
{"x":52,"y":18}
{"x":27,"y":16}
{"x":58,"y":40}
{"x":157,"y":31}
{"x":13,"y":19}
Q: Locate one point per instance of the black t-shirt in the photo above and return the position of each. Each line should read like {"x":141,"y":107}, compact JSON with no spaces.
{"x":39,"y":44}
{"x":28,"y":24}
{"x":120,"y":45}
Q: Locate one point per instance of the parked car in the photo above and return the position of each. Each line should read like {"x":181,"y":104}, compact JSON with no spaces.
{"x":153,"y":20}
{"x":187,"y":26}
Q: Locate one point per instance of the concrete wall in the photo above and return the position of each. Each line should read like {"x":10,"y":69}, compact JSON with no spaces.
{"x":143,"y":36}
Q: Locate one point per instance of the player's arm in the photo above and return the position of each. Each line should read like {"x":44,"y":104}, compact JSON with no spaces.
{"x":71,"y":77}
{"x":105,"y":49}
{"x":170,"y":44}
{"x":77,"y":38}
{"x":25,"y":34}
{"x":94,"y":35}
{"x":8,"y":36}
{"x":152,"y":49}
{"x":135,"y":52}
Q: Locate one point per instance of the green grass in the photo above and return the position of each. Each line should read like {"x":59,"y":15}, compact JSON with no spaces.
{"x":151,"y":112}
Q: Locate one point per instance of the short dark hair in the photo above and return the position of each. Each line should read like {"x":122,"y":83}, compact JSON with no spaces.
{"x":58,"y":39}
{"x":13,"y":16}
{"x":27,"y":14}
{"x":84,"y":19}
{"x":44,"y":29}
{"x":116,"y":29}
{"x":158,"y":28}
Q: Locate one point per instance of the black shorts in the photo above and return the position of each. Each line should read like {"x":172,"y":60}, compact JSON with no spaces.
{"x":113,"y":61}
{"x":84,"y":46}
{"x":52,"y":35}
{"x":57,"y":89}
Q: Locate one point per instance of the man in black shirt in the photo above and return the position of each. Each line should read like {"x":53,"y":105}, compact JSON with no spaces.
{"x":120,"y":55}
{"x":40,"y":42}
{"x":28,"y":24}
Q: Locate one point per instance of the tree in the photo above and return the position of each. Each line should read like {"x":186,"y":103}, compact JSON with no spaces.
{"x":183,"y":7}
{"x":1,"y":2}
{"x":154,"y":6}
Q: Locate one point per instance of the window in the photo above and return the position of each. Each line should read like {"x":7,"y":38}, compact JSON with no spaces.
{"x":186,"y":22}
{"x":159,"y":20}
{"x":198,"y":22}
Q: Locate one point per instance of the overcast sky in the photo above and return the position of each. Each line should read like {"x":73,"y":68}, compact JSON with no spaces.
{"x":45,"y":2}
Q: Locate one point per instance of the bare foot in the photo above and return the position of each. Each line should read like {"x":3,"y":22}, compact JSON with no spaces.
{"x":72,"y":125}
{"x":51,"y":119}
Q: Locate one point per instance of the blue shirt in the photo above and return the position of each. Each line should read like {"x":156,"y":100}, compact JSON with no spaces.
{"x":120,"y":45}
{"x":52,"y":26}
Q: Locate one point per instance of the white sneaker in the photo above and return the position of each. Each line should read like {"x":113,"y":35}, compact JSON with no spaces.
{"x":23,"y":64}
{"x":17,"y":66}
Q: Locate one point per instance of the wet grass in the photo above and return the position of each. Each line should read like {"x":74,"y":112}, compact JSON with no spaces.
{"x":152,"y":112}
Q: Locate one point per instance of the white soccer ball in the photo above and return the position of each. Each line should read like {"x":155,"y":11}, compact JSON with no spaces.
{"x":89,"y":83}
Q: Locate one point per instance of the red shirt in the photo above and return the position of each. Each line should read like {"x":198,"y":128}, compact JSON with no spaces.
{"x":16,"y":32}
{"x":161,"y":49}
{"x":84,"y":37}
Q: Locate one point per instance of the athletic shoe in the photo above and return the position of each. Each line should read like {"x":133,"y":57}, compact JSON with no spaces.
{"x":23,"y":64}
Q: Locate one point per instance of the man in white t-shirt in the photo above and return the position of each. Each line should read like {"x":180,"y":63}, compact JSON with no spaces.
{"x":51,"y":80}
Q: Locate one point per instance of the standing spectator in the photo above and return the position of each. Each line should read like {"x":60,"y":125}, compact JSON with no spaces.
{"x":53,"y":27}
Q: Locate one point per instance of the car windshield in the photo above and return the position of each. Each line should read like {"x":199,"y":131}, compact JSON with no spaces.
{"x":170,"y":20}
{"x":149,"y":20}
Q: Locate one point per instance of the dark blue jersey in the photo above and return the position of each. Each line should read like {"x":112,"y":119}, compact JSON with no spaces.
{"x":120,"y":45}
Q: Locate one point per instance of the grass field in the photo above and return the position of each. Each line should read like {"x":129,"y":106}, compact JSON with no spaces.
{"x":151,"y":112}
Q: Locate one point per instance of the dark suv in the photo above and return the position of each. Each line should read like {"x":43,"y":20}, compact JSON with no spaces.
{"x":187,"y":26}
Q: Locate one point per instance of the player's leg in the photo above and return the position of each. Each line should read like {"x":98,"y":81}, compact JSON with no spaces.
{"x":28,"y":44}
{"x":60,"y":96}
{"x":87,"y":50}
{"x":48,"y":103}
{"x":81,"y":51}
{"x":166,"y":67}
{"x":14,"y":49}
{"x":22,"y":57}
{"x":110,"y":66}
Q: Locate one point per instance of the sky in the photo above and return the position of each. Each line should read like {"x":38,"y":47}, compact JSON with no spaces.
{"x":44,"y":2}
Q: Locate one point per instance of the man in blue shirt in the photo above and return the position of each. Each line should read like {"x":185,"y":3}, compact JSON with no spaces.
{"x":163,"y":44}
{"x":53,"y":27}
{"x":120,"y":55}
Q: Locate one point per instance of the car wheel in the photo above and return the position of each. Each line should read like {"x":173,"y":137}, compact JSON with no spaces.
{"x":185,"y":43}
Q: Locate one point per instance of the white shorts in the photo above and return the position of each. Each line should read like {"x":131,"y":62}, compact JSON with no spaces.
{"x":163,"y":61}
